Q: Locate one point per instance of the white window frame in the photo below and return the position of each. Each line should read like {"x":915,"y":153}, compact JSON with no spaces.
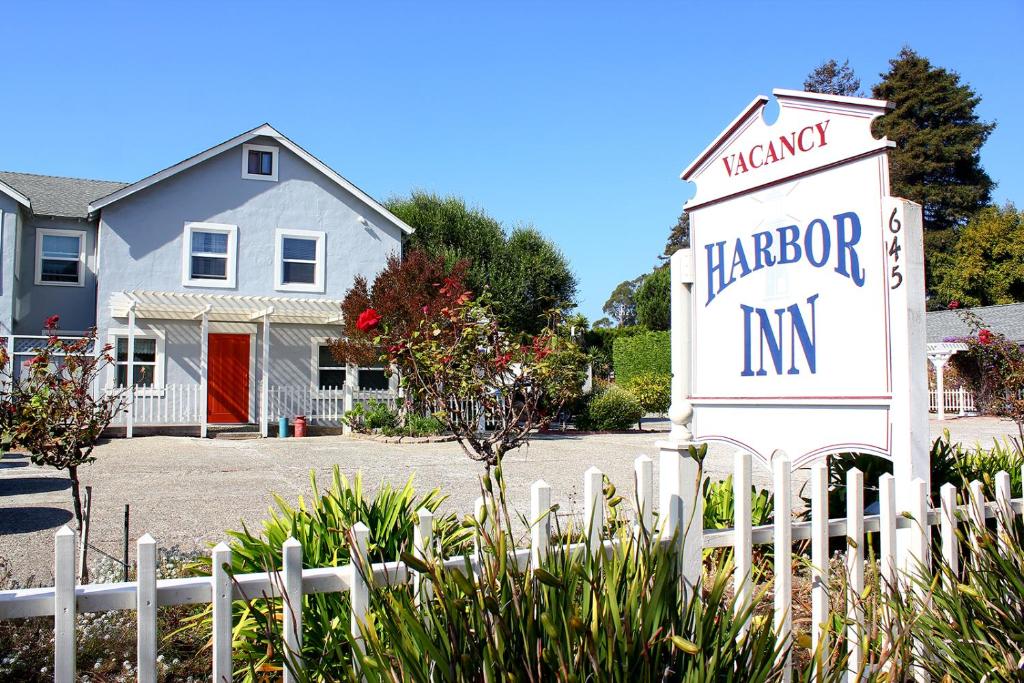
{"x":316,"y":343}
{"x":273,"y":162}
{"x":230,"y":269}
{"x":161,"y":358}
{"x":43,"y":232}
{"x":318,"y":270}
{"x":372,"y":367}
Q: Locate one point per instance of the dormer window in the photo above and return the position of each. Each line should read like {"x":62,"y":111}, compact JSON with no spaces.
{"x":259,"y":162}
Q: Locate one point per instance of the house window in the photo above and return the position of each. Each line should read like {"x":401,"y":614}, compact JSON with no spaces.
{"x":329,"y":373}
{"x":300,"y":261}
{"x":373,"y":379}
{"x":147,"y":369}
{"x":259,"y":162}
{"x":209,"y":255}
{"x":60,"y":257}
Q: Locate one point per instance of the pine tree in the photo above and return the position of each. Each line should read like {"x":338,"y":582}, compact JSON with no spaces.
{"x":679,"y":238}
{"x":938,"y":138}
{"x":833,"y":78}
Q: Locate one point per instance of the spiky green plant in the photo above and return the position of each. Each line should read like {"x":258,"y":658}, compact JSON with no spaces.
{"x":321,"y":525}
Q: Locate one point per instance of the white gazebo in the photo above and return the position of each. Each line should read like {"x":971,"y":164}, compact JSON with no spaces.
{"x":939,"y":354}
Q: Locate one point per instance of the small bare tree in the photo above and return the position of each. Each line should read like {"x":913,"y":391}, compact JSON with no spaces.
{"x":55,"y":414}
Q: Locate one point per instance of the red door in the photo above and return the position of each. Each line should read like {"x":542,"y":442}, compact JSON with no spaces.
{"x":228,"y":379}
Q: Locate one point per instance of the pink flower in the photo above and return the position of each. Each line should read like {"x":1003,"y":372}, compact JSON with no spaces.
{"x":368,"y":320}
{"x":985,"y":337}
{"x":51,"y":322}
{"x":954,"y":304}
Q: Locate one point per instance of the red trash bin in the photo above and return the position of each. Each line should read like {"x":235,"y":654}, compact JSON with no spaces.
{"x":300,"y":426}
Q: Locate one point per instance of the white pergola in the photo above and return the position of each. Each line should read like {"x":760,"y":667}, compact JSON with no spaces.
{"x":219,"y":308}
{"x":939,"y":354}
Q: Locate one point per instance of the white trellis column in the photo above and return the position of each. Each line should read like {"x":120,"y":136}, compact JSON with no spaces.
{"x":348,"y":400}
{"x":204,"y":363}
{"x":265,"y":375}
{"x":938,"y":360}
{"x":130,"y":379}
{"x":681,"y":502}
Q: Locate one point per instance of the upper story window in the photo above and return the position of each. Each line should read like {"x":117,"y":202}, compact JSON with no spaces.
{"x":208,"y":258}
{"x":300,"y":261}
{"x":259,"y":162}
{"x":60,"y":257}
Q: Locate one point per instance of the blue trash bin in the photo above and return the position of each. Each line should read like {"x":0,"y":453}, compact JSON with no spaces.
{"x":282,"y":428}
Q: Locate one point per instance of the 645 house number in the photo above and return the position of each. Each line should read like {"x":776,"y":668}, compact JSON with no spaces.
{"x":895,"y":275}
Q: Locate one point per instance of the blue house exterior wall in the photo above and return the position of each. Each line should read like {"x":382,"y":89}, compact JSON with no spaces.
{"x":10,"y":212}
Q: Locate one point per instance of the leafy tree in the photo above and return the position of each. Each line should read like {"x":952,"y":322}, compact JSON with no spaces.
{"x":621,"y":305}
{"x":402,"y":295}
{"x":986,"y":265}
{"x":531,"y":278}
{"x":602,"y":323}
{"x":679,"y":237}
{"x":833,"y":78}
{"x":653,"y":299}
{"x":526,"y":273}
{"x":938,"y":138}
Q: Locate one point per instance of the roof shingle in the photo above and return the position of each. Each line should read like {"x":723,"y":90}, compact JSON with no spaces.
{"x":57,"y":196}
{"x":1005,"y":319}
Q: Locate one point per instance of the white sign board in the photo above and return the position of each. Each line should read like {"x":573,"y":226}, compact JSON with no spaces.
{"x":807,"y":302}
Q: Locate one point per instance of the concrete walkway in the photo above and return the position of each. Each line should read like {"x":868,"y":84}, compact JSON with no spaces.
{"x":187,"y":491}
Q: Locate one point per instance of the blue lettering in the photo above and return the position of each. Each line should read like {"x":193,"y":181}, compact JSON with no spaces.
{"x":848,"y":263}
{"x":808,"y":342}
{"x":762,"y":243}
{"x":739,"y":259}
{"x":790,"y":244}
{"x":770,"y":334}
{"x":716,"y":268}
{"x":826,"y":243}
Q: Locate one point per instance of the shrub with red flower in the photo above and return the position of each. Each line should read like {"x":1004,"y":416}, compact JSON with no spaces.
{"x":985,"y":337}
{"x":953,"y":305}
{"x":368,"y":320}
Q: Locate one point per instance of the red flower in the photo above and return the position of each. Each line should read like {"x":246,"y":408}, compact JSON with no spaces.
{"x":368,"y":320}
{"x":985,"y":337}
{"x":953,"y":304}
{"x":51,"y":322}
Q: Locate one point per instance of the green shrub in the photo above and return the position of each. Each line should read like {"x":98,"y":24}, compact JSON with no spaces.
{"x":612,"y":410}
{"x":648,"y":352}
{"x":720,"y":505}
{"x":422,"y":425}
{"x":580,"y":616}
{"x":372,"y":417}
{"x":653,"y":300}
{"x":321,"y":524}
{"x":652,"y":390}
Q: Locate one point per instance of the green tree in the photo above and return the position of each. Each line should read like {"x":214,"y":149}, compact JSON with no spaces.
{"x":833,"y":78}
{"x":531,"y":278}
{"x":526,"y":273}
{"x":986,"y":266}
{"x":621,"y":304}
{"x":938,"y":138}
{"x":679,"y":237}
{"x":653,"y":299}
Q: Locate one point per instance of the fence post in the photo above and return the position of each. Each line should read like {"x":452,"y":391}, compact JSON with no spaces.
{"x":593,"y":508}
{"x":64,"y":606}
{"x":681,"y":508}
{"x":1004,"y":513}
{"x":887,"y":534}
{"x":855,"y":570}
{"x":743,"y":541}
{"x":783,"y":554}
{"x":291,"y":607}
{"x":976,"y":513}
{"x":918,"y":559}
{"x":423,"y":548}
{"x":950,"y":543}
{"x":643,"y":468}
{"x":963,"y":401}
{"x":359,"y":590}
{"x":348,"y":402}
{"x":221,"y":598}
{"x":146,"y":608}
{"x":819,"y":562}
{"x":540,"y":519}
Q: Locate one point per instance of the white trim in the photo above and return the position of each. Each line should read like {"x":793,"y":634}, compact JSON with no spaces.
{"x":273,"y":162}
{"x":15,"y":195}
{"x":318,"y":270}
{"x":43,"y":232}
{"x":267,"y":131}
{"x":228,"y":327}
{"x":231,"y":266}
{"x":159,"y":372}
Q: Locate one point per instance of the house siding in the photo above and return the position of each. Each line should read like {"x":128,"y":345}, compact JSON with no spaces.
{"x":142,"y":235}
{"x":10,"y":212}
{"x":76,"y":306}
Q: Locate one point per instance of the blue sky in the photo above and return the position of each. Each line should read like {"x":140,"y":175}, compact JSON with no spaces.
{"x":575,"y":117}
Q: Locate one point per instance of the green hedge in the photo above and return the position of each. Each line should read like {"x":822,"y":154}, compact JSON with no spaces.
{"x":649,"y":352}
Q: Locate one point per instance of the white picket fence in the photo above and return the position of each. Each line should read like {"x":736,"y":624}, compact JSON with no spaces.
{"x":958,"y":401}
{"x":64,"y":600}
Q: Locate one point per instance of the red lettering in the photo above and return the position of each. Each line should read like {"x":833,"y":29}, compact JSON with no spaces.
{"x":771,"y":157}
{"x":741,"y":165}
{"x":752,"y":164}
{"x":821,"y":131}
{"x":728,"y":168}
{"x":800,"y":141}
{"x":788,"y":144}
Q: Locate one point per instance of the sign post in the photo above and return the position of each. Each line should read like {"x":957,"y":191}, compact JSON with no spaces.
{"x":805,"y":329}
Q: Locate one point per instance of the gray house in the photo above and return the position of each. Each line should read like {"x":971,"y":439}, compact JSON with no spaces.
{"x":218,"y":280}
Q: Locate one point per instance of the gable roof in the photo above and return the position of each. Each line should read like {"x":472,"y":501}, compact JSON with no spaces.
{"x":266,"y":130}
{"x":49,"y":195}
{"x":15,"y":195}
{"x":1005,"y":319}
